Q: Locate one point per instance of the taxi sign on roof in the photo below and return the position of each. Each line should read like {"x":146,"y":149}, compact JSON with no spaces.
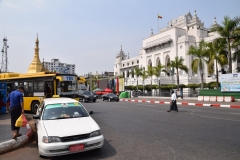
{"x":60,"y":105}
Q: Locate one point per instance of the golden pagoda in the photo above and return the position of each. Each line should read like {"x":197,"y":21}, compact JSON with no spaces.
{"x":36,"y":65}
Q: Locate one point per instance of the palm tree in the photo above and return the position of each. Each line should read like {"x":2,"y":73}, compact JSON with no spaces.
{"x":157,"y":73}
{"x":177,"y":63}
{"x":150,"y":73}
{"x":229,"y":31}
{"x":236,"y":54}
{"x":137,"y":72}
{"x":144,"y":76}
{"x":200,"y":54}
{"x":218,"y":54}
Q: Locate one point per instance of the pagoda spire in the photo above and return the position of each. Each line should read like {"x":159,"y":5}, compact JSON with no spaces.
{"x":36,"y":65}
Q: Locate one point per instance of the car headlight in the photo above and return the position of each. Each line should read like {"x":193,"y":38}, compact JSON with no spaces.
{"x":95,"y":133}
{"x":50,"y":139}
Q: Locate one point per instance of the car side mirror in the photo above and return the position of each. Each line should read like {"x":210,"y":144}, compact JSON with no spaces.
{"x":91,"y":112}
{"x":36,"y":117}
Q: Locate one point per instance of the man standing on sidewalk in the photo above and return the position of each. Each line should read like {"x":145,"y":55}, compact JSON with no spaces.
{"x":16,"y":108}
{"x":173,"y":105}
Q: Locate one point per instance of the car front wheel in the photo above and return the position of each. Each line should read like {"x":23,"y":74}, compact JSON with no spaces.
{"x":109,"y":99}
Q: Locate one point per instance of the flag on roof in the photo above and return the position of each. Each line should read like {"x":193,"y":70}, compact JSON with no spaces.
{"x":159,"y":16}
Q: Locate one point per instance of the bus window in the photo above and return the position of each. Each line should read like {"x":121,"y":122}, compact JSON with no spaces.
{"x":25,"y":86}
{"x":15,"y":85}
{"x":38,"y":86}
{"x":28,"y":86}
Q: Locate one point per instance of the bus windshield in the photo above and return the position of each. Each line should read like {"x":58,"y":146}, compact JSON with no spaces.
{"x":68,"y":86}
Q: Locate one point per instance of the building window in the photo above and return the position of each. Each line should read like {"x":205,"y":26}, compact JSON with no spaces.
{"x":181,"y":47}
{"x":127,"y":64}
{"x":132,"y":63}
{"x":123,"y":65}
{"x":137,"y":61}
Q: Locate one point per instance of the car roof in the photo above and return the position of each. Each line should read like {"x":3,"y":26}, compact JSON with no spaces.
{"x":59,"y":100}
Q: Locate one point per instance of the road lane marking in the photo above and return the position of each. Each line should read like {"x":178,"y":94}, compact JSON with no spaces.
{"x":220,"y":118}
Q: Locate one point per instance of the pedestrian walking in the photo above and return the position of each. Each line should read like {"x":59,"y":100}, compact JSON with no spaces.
{"x":173,"y":105}
{"x":16,"y":108}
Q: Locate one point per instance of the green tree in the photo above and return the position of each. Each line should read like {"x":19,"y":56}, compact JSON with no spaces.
{"x":236,"y":53}
{"x":144,"y":76}
{"x":157,"y":73}
{"x":150,"y":73}
{"x":229,"y":31}
{"x":138,"y":72}
{"x":177,"y":63}
{"x":218,"y":54}
{"x":200,"y":55}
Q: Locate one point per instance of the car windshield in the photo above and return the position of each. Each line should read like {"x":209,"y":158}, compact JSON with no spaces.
{"x":112,"y":95}
{"x":87,"y":93}
{"x":64,"y":110}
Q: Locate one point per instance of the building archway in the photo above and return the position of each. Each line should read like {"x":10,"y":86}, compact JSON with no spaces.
{"x":158,"y":62}
{"x":167,"y":63}
{"x":150,"y":62}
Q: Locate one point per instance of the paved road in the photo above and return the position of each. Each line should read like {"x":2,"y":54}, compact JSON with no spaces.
{"x":146,"y":131}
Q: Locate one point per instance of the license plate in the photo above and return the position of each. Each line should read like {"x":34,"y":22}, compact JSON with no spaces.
{"x":76,"y":147}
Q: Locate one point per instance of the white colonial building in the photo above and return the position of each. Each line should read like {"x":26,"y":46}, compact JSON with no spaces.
{"x":171,"y":41}
{"x":57,"y":66}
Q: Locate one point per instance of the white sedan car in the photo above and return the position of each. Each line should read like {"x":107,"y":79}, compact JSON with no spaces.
{"x":64,"y":127}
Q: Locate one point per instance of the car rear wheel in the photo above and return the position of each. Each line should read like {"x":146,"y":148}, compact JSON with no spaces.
{"x":102,"y":99}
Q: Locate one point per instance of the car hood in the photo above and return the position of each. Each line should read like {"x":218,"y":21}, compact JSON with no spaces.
{"x":70,"y":126}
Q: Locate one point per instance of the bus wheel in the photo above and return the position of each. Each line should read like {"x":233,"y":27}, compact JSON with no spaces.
{"x":34,"y":106}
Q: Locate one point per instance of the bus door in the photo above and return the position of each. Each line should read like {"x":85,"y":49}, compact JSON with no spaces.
{"x":3,"y":95}
{"x":48,"y":89}
{"x":9,"y":87}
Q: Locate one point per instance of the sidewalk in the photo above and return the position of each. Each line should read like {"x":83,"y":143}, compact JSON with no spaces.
{"x":6,"y":141}
{"x":193,"y":101}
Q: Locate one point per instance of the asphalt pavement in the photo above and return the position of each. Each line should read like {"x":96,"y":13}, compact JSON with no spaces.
{"x":6,"y":140}
{"x":139,"y":131}
{"x":193,"y":101}
{"x":7,"y":143}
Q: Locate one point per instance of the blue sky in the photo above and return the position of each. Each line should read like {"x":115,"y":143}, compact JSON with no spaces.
{"x":90,"y":33}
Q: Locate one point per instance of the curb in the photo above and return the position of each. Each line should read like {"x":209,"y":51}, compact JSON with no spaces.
{"x":13,"y":144}
{"x":183,"y":103}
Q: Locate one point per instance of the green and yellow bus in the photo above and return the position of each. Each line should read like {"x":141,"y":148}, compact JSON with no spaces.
{"x":41,"y":85}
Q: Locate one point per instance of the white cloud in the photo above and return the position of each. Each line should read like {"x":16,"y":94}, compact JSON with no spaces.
{"x":11,"y":5}
{"x":23,"y":5}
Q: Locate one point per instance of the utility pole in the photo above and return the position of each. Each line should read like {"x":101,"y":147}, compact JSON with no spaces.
{"x":172,"y":73}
